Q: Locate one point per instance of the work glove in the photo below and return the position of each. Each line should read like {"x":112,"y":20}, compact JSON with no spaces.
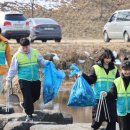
{"x":79,"y":73}
{"x":103,"y":93}
{"x":8,"y":84}
{"x":56,"y":61}
{"x":56,"y":58}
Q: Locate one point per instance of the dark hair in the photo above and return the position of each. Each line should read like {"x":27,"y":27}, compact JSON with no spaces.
{"x":125,"y":65}
{"x":0,"y":30}
{"x":24,"y":42}
{"x":106,"y":53}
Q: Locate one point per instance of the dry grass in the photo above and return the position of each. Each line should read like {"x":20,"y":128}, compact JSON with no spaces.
{"x":84,"y":18}
{"x":81,"y":19}
{"x":71,"y":51}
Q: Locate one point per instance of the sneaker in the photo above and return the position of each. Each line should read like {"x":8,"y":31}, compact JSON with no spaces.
{"x":94,"y":129}
{"x":29,"y":118}
{"x":22,"y":106}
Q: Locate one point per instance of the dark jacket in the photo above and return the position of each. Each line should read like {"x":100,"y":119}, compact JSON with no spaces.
{"x":113,"y":91}
{"x":91,"y":79}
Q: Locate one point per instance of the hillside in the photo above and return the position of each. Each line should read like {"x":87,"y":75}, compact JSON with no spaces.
{"x":80,"y":19}
{"x":83,"y":19}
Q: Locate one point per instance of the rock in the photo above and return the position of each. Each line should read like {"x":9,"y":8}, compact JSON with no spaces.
{"x":68,"y":119}
{"x":2,"y":124}
{"x":15,"y":125}
{"x":52,"y":116}
{"x":6,"y":118}
{"x":40,"y":116}
{"x":3,"y":110}
{"x":50,"y":127}
{"x":76,"y":126}
{"x":20,"y":125}
{"x":16,"y":121}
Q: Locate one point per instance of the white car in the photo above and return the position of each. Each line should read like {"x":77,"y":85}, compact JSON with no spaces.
{"x":14,"y":25}
{"x":118,"y":26}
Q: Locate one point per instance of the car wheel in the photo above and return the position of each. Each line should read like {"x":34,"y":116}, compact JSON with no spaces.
{"x":126,"y":37}
{"x":18,"y":40}
{"x":57,"y":40}
{"x":44,"y":40}
{"x":106,"y":38}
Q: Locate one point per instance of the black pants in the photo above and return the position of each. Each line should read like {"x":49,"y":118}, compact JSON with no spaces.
{"x":31,"y":93}
{"x":112,"y":113}
{"x":124,"y":122}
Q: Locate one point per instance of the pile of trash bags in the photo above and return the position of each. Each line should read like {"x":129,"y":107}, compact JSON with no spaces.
{"x":81,"y":94}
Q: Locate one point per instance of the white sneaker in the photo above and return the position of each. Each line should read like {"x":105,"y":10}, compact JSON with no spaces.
{"x":29,"y":118}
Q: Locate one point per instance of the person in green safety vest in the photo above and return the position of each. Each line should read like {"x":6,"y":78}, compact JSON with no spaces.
{"x":5,"y":58}
{"x":25,"y":63}
{"x":120,"y":92}
{"x":103,"y":73}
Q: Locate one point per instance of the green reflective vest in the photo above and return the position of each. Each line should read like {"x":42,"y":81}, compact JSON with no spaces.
{"x":123,"y":97}
{"x":2,"y":53}
{"x":104,"y":81}
{"x":28,"y":67}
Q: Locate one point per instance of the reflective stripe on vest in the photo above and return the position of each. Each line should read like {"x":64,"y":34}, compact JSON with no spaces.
{"x":123,"y":97}
{"x":2,"y":53}
{"x":28,"y":67}
{"x":104,"y":81}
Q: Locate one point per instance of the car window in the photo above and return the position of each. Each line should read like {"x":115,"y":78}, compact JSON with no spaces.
{"x":123,"y":16}
{"x":15,"y":17}
{"x":113,"y":17}
{"x":127,"y":16}
{"x":45,"y":21}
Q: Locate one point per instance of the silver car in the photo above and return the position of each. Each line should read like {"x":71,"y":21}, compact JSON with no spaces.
{"x":118,"y":26}
{"x":14,"y":25}
{"x":44,"y":29}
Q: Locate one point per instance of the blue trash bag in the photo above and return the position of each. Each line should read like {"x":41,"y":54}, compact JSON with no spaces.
{"x":73,"y":70}
{"x":81,"y":94}
{"x":52,"y":81}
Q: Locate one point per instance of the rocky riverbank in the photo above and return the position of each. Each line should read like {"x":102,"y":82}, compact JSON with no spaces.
{"x":42,"y":119}
{"x":49,"y":120}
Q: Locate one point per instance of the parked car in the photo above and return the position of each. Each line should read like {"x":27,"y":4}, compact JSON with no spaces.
{"x":118,"y":26}
{"x":44,"y":29}
{"x":14,"y":25}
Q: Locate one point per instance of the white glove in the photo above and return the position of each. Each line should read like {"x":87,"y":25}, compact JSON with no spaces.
{"x":103,"y":93}
{"x":8,"y":84}
{"x":79,"y":73}
{"x":56,"y":58}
